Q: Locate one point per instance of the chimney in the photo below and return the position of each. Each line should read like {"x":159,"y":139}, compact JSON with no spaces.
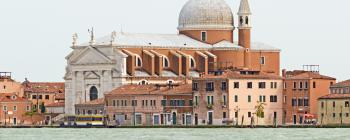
{"x":284,"y":73}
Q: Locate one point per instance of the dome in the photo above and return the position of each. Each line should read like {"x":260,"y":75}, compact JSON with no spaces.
{"x":206,"y":15}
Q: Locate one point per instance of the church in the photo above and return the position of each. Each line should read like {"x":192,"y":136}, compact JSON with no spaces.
{"x":204,"y":44}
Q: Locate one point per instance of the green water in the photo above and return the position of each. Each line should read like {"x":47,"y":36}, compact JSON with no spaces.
{"x":175,"y":134}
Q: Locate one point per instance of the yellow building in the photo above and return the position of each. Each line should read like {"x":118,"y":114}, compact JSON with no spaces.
{"x":334,"y":109}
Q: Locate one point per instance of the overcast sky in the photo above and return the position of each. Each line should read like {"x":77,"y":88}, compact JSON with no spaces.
{"x":35,"y":35}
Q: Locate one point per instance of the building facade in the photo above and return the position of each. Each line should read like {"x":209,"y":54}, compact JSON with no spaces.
{"x":13,"y":109}
{"x":150,"y":105}
{"x":301,"y":91}
{"x":8,"y":85}
{"x":102,"y":64}
{"x":341,"y":87}
{"x":334,"y":109}
{"x":232,"y":97}
{"x":43,"y":93}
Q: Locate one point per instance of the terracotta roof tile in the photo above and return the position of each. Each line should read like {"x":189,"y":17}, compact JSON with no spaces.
{"x":94,"y":102}
{"x":151,"y":89}
{"x":336,"y":96}
{"x":342,"y":84}
{"x":240,"y":74}
{"x":60,"y":96}
{"x":44,"y":87}
{"x":58,"y":104}
{"x":299,"y":74}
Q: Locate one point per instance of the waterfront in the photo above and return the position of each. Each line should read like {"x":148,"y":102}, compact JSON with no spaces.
{"x":175,"y":133}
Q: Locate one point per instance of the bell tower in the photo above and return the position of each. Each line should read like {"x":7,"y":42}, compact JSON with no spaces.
{"x":244,"y":19}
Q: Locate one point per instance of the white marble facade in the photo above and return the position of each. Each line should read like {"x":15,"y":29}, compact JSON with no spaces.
{"x":100,"y":67}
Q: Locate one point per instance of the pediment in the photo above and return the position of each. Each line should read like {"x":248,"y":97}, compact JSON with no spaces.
{"x":91,"y":55}
{"x":91,"y":75}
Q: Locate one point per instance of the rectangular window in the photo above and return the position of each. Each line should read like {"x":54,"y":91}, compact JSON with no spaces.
{"x":134,"y":102}
{"x":195,"y":86}
{"x":271,"y":85}
{"x":163,"y":102}
{"x":250,"y":85}
{"x":224,"y":115}
{"x":333,"y":115}
{"x":5,"y":108}
{"x":236,"y":98}
{"x":322,"y":104}
{"x":249,"y":114}
{"x":301,"y":85}
{"x":191,"y":102}
{"x":47,"y":97}
{"x":262,"y":85}
{"x":113,"y":103}
{"x":314,"y":84}
{"x":223,"y":86}
{"x":28,"y":108}
{"x":306,"y":102}
{"x":210,"y":100}
{"x":14,"y":108}
{"x":204,"y":36}
{"x":273,"y":99}
{"x":249,"y":98}
{"x":236,"y":114}
{"x":333,"y":104}
{"x":210,"y":86}
{"x":294,"y":85}
{"x":346,"y":114}
{"x":40,"y":96}
{"x":262,"y":98}
{"x":284,"y":99}
{"x":306,"y":85}
{"x":346,"y":103}
{"x":236,"y":85}
{"x":196,"y":100}
{"x":300,"y":102}
{"x":224,"y":99}
{"x":275,"y":85}
{"x":33,"y":96}
{"x":262,"y":60}
{"x":294,"y":102}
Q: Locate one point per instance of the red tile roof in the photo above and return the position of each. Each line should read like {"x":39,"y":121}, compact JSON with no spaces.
{"x":299,"y":74}
{"x":336,"y":96}
{"x":151,"y":89}
{"x":240,"y":74}
{"x":44,"y":87}
{"x":342,"y":84}
{"x":58,"y":104}
{"x":94,"y":102}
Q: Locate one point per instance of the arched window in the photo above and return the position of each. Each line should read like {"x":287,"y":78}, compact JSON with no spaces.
{"x":93,"y":93}
{"x":165,"y":62}
{"x":192,"y":62}
{"x":246,"y":20}
{"x":138,"y":61}
{"x":143,"y":82}
{"x":240,"y":20}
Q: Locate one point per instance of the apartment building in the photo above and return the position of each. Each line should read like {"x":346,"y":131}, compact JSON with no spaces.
{"x":334,"y":109}
{"x":150,"y":105}
{"x":301,"y":91}
{"x":232,"y":97}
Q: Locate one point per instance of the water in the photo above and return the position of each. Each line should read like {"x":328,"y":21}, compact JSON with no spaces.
{"x":175,"y":134}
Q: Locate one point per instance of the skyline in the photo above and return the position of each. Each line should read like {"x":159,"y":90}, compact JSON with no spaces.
{"x":49,"y":29}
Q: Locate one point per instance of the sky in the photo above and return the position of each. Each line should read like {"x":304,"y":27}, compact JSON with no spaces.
{"x":36,"y":35}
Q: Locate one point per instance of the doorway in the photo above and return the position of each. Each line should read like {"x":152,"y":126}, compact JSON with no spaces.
{"x":196,"y":119}
{"x":174,"y":118}
{"x":294,"y":119}
{"x":210,"y":118}
{"x":14,"y":121}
